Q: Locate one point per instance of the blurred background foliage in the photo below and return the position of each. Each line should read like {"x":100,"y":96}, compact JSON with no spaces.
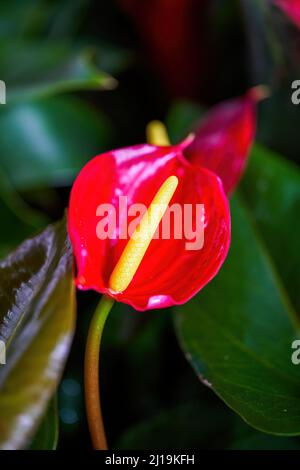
{"x":84,"y":76}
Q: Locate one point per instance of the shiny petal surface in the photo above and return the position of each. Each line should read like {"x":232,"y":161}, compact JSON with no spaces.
{"x":169,"y":273}
{"x":291,"y":8}
{"x":223,"y":140}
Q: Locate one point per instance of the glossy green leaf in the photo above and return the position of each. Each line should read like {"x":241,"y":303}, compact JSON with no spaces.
{"x":34,"y":69}
{"x":47,"y":142}
{"x":237,"y":333}
{"x":271,"y":188}
{"x":37,"y":313}
{"x":46,"y":437}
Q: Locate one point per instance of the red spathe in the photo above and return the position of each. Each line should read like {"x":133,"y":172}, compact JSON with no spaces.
{"x":225,"y":136}
{"x":169,"y":274}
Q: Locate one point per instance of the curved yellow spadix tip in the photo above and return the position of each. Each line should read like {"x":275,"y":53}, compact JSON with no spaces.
{"x":157,"y":134}
{"x":137,"y":246}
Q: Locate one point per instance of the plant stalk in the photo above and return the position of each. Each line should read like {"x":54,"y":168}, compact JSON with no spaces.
{"x":91,"y":373}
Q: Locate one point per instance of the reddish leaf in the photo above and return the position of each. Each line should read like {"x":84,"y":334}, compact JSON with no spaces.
{"x":223,"y":140}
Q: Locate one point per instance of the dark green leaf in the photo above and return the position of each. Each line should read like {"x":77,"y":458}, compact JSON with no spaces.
{"x":188,"y":426}
{"x":19,"y":18}
{"x":238,"y":332}
{"x":65,"y":18}
{"x":37,"y":312}
{"x":47,"y":434}
{"x":271,"y":188}
{"x":47,"y":142}
{"x":31,"y":69}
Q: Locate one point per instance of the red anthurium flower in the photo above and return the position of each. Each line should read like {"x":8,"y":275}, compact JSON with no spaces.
{"x":224,"y":138}
{"x":169,"y":273}
{"x":291,"y":8}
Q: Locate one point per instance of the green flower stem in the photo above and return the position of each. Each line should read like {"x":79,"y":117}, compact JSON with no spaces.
{"x":91,"y":373}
